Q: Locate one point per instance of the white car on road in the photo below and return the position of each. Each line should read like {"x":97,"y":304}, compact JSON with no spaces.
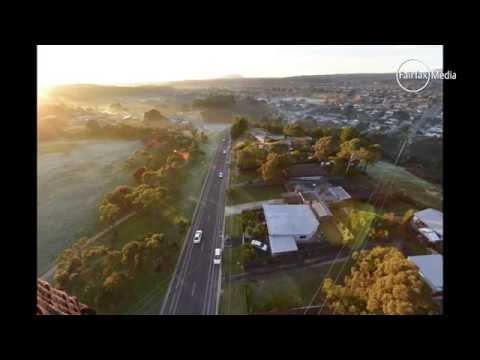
{"x":220,"y":175}
{"x":224,"y":152}
{"x":259,"y":245}
{"x":197,"y":237}
{"x":217,"y":257}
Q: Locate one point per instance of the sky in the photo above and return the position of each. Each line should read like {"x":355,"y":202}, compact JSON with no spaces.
{"x":139,"y":64}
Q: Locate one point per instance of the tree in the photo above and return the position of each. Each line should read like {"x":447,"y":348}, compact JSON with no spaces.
{"x":259,"y":231}
{"x":408,"y":216}
{"x":109,"y":213}
{"x":250,"y":157}
{"x":203,"y":137}
{"x":113,"y":291}
{"x":294,"y":130}
{"x":247,"y":253}
{"x":153,"y":115}
{"x":317,"y":133}
{"x":348,"y":133}
{"x":273,"y":167}
{"x":119,"y":197}
{"x":381,"y":281}
{"x":182,"y":224}
{"x":324,"y":148}
{"x":154,"y":200}
{"x":138,"y":174}
{"x":238,"y":127}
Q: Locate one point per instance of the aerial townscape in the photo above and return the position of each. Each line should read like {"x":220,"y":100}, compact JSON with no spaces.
{"x":298,"y":195}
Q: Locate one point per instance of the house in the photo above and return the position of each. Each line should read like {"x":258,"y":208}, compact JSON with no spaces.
{"x":429,"y":224}
{"x":263,"y":136}
{"x":431,"y":269}
{"x":288,"y":225}
{"x":335,"y":194}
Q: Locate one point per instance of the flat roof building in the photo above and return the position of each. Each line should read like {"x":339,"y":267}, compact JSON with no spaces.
{"x":430,"y":218}
{"x":429,"y":223}
{"x":289,"y":224}
{"x":431,"y":269}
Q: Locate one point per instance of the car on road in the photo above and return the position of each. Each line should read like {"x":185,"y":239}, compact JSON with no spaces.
{"x":220,"y":175}
{"x":259,"y":245}
{"x":224,"y":152}
{"x":197,"y":237}
{"x":217,"y":257}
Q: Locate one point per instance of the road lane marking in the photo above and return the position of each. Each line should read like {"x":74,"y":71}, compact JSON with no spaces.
{"x":185,"y":254}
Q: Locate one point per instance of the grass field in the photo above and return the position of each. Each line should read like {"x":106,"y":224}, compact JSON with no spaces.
{"x":233,"y":301}
{"x":342,"y":216}
{"x":238,"y":177}
{"x":72,"y":177}
{"x":233,"y":225}
{"x":247,"y":194}
{"x":283,"y":290}
{"x":397,"y":178}
{"x":231,"y":261}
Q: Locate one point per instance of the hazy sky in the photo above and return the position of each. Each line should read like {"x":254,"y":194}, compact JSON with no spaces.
{"x":112,"y":64}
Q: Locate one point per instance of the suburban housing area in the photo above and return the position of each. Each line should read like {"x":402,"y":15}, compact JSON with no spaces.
{"x":241,"y":197}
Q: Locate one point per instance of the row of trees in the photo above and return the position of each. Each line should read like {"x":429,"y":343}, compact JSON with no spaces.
{"x":102,"y":276}
{"x":382,"y":282}
{"x":347,"y":151}
{"x":160,"y":165}
{"x":346,"y":148}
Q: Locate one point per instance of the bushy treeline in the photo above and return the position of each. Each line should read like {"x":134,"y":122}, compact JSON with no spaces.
{"x":100,"y":275}
{"x":346,"y":150}
{"x":104,"y":277}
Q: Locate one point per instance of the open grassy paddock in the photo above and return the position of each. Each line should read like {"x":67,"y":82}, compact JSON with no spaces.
{"x":281,"y":290}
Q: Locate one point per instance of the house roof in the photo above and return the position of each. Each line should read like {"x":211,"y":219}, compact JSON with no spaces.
{"x":432,"y":218}
{"x":321,"y":209}
{"x":52,"y":301}
{"x":431,"y":269}
{"x":290,"y":219}
{"x":430,"y":234}
{"x":339,"y":193}
{"x":282,"y":243}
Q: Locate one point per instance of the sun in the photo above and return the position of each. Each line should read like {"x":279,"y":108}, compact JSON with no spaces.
{"x":43,"y":89}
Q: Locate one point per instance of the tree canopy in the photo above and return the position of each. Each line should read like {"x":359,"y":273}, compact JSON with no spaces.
{"x":294,"y":130}
{"x":381,"y":281}
{"x":238,"y":127}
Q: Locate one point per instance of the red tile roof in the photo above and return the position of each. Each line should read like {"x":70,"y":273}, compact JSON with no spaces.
{"x":52,"y":301}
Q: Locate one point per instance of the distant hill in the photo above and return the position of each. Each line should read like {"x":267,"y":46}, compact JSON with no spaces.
{"x":91,"y":92}
{"x":232,"y":76}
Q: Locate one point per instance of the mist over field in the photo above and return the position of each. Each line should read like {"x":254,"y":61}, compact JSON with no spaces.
{"x":72,"y":178}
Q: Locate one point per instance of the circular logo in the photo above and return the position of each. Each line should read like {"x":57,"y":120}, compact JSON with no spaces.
{"x":414,"y":72}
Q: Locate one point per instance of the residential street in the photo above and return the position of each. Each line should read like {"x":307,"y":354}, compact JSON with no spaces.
{"x":194,"y":288}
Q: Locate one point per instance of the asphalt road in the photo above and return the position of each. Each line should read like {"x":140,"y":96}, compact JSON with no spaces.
{"x":195,"y":285}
